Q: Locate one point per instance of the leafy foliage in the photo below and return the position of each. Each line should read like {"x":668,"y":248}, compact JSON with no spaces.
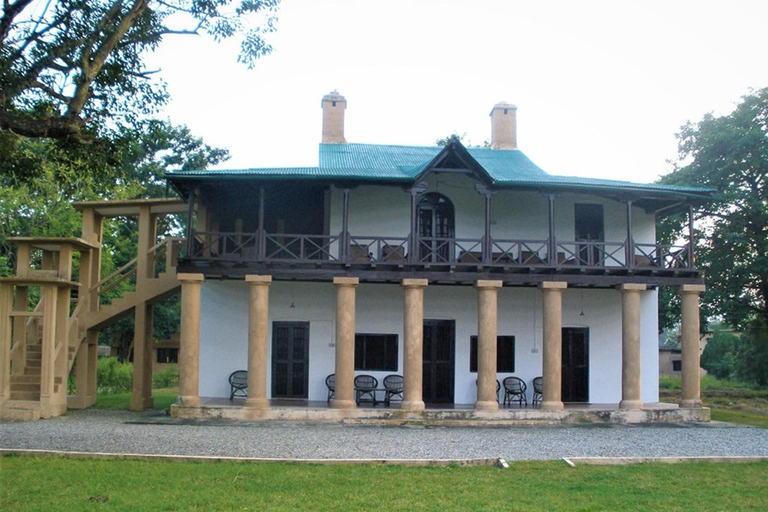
{"x":719,"y":357}
{"x":729,"y":154}
{"x":71,"y":68}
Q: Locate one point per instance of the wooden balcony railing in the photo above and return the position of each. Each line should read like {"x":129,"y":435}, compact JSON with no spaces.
{"x":229,"y":249}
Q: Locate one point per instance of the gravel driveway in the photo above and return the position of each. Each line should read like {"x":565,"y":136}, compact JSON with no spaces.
{"x":149,"y":433}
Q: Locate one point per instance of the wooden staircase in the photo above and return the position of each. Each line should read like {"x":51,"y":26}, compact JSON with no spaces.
{"x":25,"y":381}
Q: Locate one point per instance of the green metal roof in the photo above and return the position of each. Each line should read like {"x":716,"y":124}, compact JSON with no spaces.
{"x":375,"y":162}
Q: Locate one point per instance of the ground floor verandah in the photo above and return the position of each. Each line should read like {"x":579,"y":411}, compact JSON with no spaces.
{"x":305,"y":411}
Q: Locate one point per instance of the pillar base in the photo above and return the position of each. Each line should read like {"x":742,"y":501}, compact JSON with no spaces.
{"x":631,"y":405}
{"x":487,"y":405}
{"x":552,"y":406}
{"x":188,"y":401}
{"x":415,"y":405}
{"x":257,"y":403}
{"x":142,"y":404}
{"x":343,"y":404}
{"x":690,"y":404}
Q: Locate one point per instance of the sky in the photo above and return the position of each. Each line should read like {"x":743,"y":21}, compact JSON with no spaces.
{"x":601,"y":87}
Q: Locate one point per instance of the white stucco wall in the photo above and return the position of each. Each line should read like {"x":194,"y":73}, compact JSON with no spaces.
{"x":385,"y":211}
{"x":224,"y":331}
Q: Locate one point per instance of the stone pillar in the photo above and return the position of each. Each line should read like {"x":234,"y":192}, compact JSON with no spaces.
{"x":689,"y":341}
{"x":630,"y":346}
{"x":258,"y":324}
{"x":413,"y":331}
{"x":487,"y":333}
{"x":141,"y":398}
{"x":189,"y":342}
{"x":345,"y":342}
{"x":552,"y":292}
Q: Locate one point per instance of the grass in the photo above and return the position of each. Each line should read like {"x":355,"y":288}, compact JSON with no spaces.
{"x":734,"y":402}
{"x":122,"y":401}
{"x":31,"y":484}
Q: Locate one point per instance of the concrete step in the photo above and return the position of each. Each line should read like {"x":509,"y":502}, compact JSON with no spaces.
{"x":20,"y":410}
{"x":25,"y":395}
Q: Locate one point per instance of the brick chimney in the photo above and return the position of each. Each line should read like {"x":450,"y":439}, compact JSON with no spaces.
{"x":504,"y":126}
{"x":333,"y":105}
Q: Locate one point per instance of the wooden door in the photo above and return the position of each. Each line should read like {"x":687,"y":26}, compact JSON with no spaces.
{"x":290,"y":360}
{"x":438,"y":361}
{"x":575,"y":376}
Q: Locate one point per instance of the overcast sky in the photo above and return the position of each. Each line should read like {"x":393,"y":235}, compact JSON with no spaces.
{"x":601,"y":86}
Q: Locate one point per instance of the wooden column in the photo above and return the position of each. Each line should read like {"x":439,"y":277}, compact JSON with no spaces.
{"x":20,"y":330}
{"x":93,"y":355}
{"x":6,"y":304}
{"x":189,"y":345}
{"x":487,"y":332}
{"x":344,"y":397}
{"x":258,"y":325}
{"x":630,"y":346}
{"x":413,"y":332}
{"x":629,"y":250}
{"x":551,"y":241}
{"x":552,"y":292}
{"x":142,"y":358}
{"x":50,"y":297}
{"x":80,"y":400}
{"x":689,"y":341}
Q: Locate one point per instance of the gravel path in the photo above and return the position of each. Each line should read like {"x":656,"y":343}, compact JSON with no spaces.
{"x":118,"y":432}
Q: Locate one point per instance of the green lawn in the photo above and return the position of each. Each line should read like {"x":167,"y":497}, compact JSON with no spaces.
{"x":163,"y":399}
{"x":31,"y":483}
{"x":733,"y":402}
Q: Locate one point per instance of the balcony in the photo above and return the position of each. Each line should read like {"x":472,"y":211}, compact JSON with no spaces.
{"x":312,"y":256}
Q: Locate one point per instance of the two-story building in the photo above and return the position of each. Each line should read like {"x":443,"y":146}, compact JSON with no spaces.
{"x":453,"y":267}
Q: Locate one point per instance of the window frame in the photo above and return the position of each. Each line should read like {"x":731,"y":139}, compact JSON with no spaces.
{"x":500,"y":368}
{"x":390,"y":360}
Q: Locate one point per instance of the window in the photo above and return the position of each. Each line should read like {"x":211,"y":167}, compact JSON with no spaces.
{"x":167,"y":355}
{"x":677,"y":366}
{"x":376,"y":352}
{"x":505,"y":354}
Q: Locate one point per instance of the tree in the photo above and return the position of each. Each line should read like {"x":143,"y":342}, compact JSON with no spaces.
{"x":719,"y":356}
{"x":69,"y":66}
{"x":730,"y":154}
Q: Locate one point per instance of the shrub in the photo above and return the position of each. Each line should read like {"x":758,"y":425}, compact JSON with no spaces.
{"x":168,"y":378}
{"x":113,"y":376}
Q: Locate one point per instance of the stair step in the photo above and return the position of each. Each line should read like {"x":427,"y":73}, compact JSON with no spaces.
{"x":34,"y":363}
{"x":21,"y":379}
{"x":25,"y":387}
{"x":33,"y":370}
{"x":25,"y":395}
{"x":20,"y":410}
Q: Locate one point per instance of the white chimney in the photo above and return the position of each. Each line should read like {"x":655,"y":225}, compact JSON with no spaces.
{"x":504,"y":126}
{"x":333,"y":105}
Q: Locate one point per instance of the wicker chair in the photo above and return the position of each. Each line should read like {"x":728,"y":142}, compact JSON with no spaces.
{"x":365,"y":388}
{"x":330,"y":383}
{"x":393,"y":387}
{"x":515,"y":390}
{"x":538,"y":390}
{"x":238,"y":383}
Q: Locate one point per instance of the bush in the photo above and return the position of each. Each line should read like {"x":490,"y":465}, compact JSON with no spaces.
{"x":113,"y":376}
{"x":168,"y":378}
